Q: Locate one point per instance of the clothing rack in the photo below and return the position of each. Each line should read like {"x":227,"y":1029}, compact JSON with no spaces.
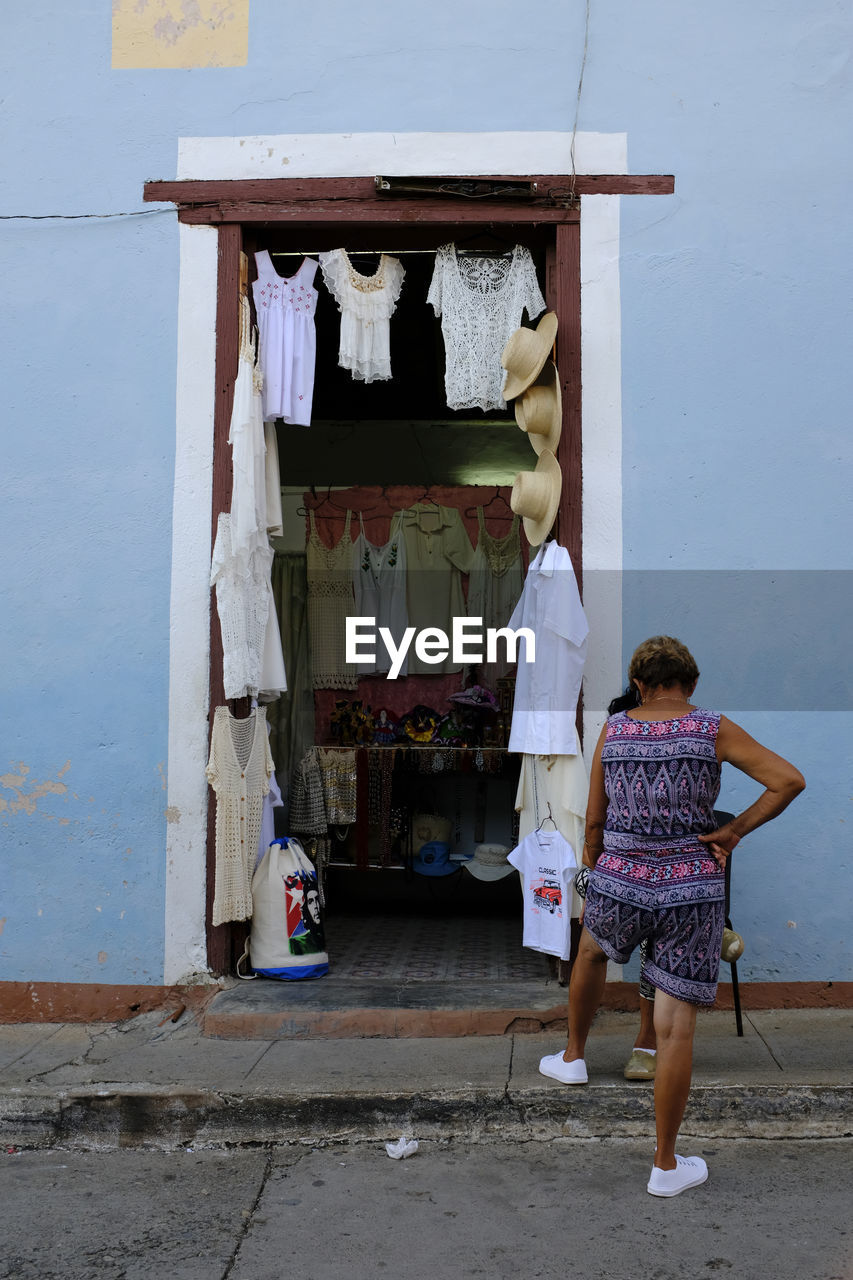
{"x":424,"y":498}
{"x":391,"y":253}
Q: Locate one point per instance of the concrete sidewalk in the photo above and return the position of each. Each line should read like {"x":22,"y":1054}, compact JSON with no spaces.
{"x":155,"y":1082}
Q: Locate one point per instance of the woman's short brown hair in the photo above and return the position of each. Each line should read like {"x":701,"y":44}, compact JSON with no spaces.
{"x":663,"y":660}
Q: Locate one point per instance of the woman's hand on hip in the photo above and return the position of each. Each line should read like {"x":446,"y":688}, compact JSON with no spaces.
{"x":722,"y":843}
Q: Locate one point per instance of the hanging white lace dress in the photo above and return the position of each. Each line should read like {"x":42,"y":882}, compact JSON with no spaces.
{"x":238,"y":770}
{"x":248,"y":444}
{"x":243,"y":602}
{"x":241,"y":565}
{"x":481,"y":302}
{"x":366,"y":304}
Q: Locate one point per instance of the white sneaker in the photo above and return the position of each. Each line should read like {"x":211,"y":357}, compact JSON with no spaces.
{"x":689,"y":1171}
{"x":553,"y":1066}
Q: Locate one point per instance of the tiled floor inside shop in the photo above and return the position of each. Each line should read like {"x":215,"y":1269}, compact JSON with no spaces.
{"x":402,"y":972}
{"x":426,"y":947}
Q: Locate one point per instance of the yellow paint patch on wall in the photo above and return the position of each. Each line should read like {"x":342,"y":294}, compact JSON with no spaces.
{"x":27,"y":791}
{"x":162,"y":34}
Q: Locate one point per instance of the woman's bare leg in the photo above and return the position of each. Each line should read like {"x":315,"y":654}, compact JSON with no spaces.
{"x":675,"y":1021}
{"x":586,"y":989}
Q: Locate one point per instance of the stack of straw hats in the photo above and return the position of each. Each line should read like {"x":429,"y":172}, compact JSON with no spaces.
{"x":532,"y":382}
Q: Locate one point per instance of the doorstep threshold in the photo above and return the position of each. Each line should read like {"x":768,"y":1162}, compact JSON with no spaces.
{"x":343,"y":1008}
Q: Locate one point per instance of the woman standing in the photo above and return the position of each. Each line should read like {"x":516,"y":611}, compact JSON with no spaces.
{"x":659,"y":873}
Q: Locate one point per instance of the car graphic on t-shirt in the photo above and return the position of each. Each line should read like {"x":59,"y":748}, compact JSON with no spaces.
{"x":548,"y":896}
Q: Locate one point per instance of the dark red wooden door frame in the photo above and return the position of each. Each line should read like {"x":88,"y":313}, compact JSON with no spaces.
{"x":305,"y":203}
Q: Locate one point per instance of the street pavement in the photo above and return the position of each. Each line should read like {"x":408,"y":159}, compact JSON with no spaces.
{"x":153,"y":1082}
{"x":559,"y":1208}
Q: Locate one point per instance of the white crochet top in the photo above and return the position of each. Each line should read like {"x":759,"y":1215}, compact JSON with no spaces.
{"x":239,"y":771}
{"x":366,"y":304}
{"x":480,"y":301}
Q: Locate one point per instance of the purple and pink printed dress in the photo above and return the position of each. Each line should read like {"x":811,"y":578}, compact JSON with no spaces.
{"x":655,"y":879}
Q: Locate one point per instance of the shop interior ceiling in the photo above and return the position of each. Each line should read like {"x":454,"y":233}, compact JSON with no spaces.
{"x":401,"y":431}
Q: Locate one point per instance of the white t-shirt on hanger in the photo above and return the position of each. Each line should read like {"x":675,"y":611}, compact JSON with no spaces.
{"x":547,"y":865}
{"x":546,"y":690}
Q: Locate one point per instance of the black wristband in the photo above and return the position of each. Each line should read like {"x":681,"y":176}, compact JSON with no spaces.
{"x":581,"y":882}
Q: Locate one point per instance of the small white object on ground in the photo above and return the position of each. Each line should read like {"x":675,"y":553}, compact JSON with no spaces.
{"x":402,"y":1148}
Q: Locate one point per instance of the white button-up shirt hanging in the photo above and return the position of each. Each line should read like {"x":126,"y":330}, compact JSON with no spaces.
{"x":546,"y":690}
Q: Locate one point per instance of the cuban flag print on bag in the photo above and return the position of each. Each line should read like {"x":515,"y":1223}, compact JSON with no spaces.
{"x":287,"y":939}
{"x":304,"y":923}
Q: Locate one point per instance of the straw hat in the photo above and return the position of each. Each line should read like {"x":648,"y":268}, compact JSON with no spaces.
{"x":539,"y":410}
{"x":536,"y":496}
{"x":429,"y":827}
{"x":525,"y":353}
{"x":489,"y":862}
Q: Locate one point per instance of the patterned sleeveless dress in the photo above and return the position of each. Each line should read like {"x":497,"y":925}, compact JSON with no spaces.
{"x":655,"y":879}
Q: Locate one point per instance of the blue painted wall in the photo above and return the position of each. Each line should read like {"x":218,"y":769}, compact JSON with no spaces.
{"x":736,"y":297}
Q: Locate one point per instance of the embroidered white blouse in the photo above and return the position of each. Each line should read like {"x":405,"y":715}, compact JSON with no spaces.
{"x":366,"y":304}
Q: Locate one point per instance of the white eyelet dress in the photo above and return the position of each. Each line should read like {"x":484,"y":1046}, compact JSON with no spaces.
{"x":366,"y":304}
{"x":285,"y":307}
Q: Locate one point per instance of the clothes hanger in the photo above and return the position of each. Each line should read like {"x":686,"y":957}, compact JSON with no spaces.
{"x":549,"y":818}
{"x":497,"y":496}
{"x":426,"y":497}
{"x":500,"y":248}
{"x":327,"y":497}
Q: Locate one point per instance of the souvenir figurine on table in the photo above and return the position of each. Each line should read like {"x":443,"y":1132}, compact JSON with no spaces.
{"x":339,"y":721}
{"x":362,"y":725}
{"x":476,"y":696}
{"x":477,"y":703}
{"x":420,"y":724}
{"x":385,"y":728}
{"x":450,"y":732}
{"x":352,"y":723}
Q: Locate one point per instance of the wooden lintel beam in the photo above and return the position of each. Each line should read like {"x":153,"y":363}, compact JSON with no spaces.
{"x":293,"y":190}
{"x":409,"y":213}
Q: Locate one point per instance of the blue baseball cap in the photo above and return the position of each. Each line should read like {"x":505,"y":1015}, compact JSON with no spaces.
{"x":433,"y":859}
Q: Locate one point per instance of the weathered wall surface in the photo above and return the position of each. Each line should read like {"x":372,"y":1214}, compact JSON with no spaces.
{"x":735,"y":322}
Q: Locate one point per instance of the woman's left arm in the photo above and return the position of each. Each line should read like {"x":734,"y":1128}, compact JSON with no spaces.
{"x":596,"y":808}
{"x":781,"y":780}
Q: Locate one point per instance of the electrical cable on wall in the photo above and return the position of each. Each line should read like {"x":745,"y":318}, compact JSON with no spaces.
{"x":578,"y":102}
{"x":74,"y":217}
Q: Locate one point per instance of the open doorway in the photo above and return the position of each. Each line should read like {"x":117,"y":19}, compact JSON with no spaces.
{"x":374,"y":451}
